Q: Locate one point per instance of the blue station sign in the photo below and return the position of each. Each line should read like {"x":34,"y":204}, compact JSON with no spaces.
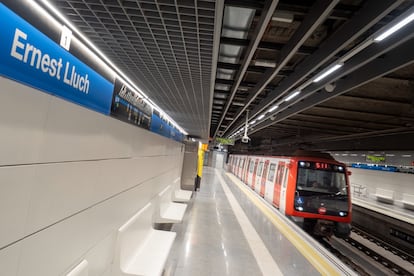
{"x":30,"y":57}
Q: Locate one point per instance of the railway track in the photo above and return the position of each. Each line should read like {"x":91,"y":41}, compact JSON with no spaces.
{"x":390,"y":260}
{"x":345,"y":259}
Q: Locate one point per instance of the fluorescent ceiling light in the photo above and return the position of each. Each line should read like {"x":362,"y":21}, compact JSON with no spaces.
{"x":100,"y":56}
{"x":282,"y":17}
{"x":291,"y":96}
{"x":356,"y":50}
{"x":260,"y":117}
{"x":253,"y":122}
{"x":273,"y":108}
{"x":395,"y":28}
{"x":328,"y":72}
{"x":264,"y":63}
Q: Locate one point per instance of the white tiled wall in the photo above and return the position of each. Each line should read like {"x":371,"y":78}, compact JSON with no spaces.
{"x":69,"y":177}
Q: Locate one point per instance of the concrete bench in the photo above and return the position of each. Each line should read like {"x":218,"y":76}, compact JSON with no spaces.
{"x":80,"y":270}
{"x":408,"y":201}
{"x":168,"y":211}
{"x":140,"y":249}
{"x":180,"y":195}
{"x":386,"y":196}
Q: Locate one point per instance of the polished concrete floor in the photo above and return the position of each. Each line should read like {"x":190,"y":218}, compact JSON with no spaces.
{"x":224,"y":233}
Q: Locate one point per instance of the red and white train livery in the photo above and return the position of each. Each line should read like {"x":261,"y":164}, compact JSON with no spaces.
{"x":313,"y":186}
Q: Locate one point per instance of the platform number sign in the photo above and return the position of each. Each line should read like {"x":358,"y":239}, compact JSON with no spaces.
{"x":66,"y":37}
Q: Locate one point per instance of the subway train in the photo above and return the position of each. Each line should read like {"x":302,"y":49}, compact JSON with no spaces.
{"x":309,"y":185}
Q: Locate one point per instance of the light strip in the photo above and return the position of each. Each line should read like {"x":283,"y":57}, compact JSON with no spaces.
{"x":260,"y":117}
{"x":356,"y":50}
{"x":273,"y":108}
{"x":118,"y":72}
{"x":395,"y":28}
{"x":328,"y":72}
{"x":291,"y":96}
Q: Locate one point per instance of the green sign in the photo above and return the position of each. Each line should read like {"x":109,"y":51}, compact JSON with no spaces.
{"x":225,"y":141}
{"x":375,"y":159}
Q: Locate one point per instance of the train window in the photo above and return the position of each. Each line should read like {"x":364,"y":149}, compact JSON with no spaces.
{"x":325,"y":179}
{"x":241,"y":163}
{"x":284,"y":178}
{"x":251,"y":168}
{"x":271,"y":174}
{"x":259,"y":170}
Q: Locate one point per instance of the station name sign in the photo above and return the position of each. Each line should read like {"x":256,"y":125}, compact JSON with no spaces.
{"x":30,"y":57}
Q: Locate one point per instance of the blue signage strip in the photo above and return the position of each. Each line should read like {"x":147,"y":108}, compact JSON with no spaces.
{"x":30,"y":57}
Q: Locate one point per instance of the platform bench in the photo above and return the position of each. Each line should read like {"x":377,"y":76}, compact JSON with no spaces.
{"x":180,"y":195}
{"x":140,"y":249}
{"x":80,"y":269}
{"x":169,"y":211}
{"x":408,"y":201}
{"x":386,"y":196}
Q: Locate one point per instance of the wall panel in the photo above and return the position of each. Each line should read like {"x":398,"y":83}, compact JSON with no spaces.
{"x":69,"y":178}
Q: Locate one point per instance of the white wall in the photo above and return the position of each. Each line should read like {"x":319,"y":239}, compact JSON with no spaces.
{"x":69,"y":177}
{"x":398,"y":182}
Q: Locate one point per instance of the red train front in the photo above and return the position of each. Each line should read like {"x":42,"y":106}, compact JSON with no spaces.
{"x":312,"y":186}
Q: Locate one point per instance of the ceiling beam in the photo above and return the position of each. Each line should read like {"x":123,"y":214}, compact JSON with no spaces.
{"x":393,"y":60}
{"x":245,"y":4}
{"x":263,"y":45}
{"x":318,"y":13}
{"x":371,"y":13}
{"x":268,"y":10}
{"x":362,"y":115}
{"x":218,"y":21}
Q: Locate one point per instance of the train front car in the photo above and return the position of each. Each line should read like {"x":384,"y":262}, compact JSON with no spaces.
{"x":321,"y":195}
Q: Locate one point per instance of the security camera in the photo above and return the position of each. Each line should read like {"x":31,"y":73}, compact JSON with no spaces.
{"x":245,"y":139}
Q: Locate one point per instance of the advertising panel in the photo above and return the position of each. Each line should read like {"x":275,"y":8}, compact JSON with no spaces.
{"x":127,"y":106}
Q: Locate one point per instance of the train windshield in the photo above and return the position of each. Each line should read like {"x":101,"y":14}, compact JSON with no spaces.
{"x":321,"y":178}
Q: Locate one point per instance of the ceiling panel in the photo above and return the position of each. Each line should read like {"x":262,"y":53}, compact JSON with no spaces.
{"x":207,"y":73}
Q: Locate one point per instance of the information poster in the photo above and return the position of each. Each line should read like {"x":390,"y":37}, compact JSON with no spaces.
{"x":127,"y":106}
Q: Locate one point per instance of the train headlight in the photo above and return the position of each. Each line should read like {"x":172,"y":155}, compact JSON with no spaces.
{"x":300,"y":208}
{"x":343,"y":214}
{"x":302,"y":164}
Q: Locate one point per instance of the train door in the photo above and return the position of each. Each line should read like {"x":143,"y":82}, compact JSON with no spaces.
{"x":254,"y":174}
{"x":264,"y":177}
{"x":233,"y":165}
{"x":250,"y":172}
{"x":284,"y":182}
{"x":270,"y":180}
{"x":246,"y":170}
{"x":258,"y":176}
{"x":245,"y":166}
{"x":241,"y":168}
{"x":278,"y":183}
{"x":236,"y":165}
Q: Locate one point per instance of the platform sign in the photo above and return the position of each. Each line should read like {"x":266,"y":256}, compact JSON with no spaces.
{"x":30,"y":57}
{"x":129,"y":107}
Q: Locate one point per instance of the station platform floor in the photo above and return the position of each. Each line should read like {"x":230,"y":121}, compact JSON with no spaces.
{"x":228,"y":230}
{"x":395,"y":210}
